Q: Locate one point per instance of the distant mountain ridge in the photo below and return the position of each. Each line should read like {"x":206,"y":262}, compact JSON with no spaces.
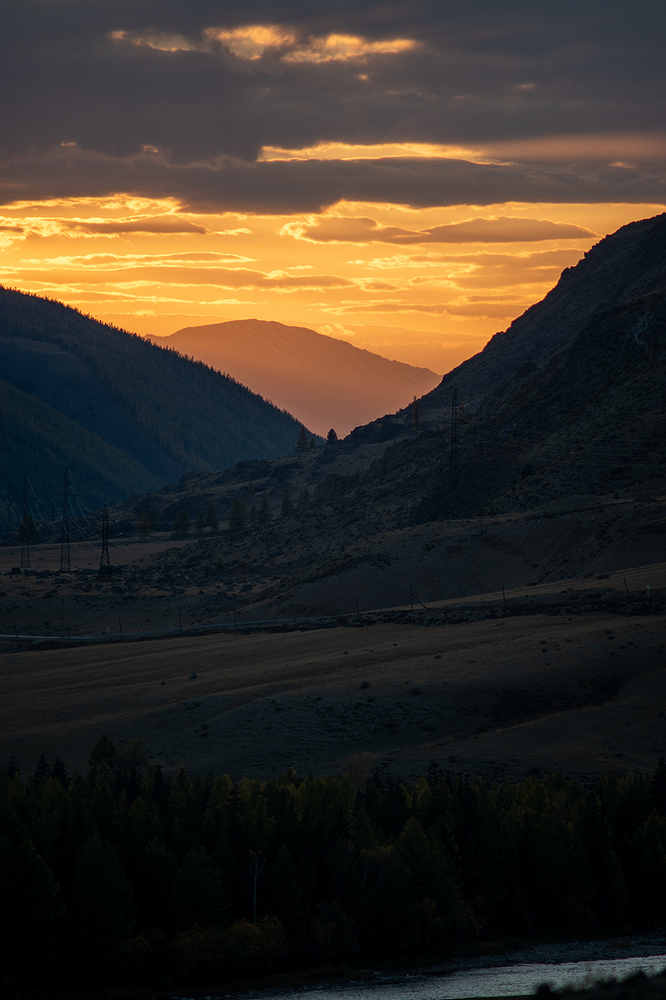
{"x":323,"y":381}
{"x":154,"y":414}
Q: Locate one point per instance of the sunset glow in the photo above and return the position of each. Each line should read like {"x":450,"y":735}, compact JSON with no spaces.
{"x":433,"y":301}
{"x":408,"y":180}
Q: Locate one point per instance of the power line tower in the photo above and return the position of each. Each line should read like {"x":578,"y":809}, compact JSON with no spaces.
{"x":453,"y":468}
{"x":104,"y":561}
{"x":65,"y":564}
{"x":25,"y":529}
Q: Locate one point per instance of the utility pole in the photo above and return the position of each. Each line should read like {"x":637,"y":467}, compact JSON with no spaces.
{"x":454,"y":455}
{"x":25,"y":532}
{"x":104,"y":561}
{"x":65,"y":564}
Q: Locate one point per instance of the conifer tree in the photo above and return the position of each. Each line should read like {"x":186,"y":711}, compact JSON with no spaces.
{"x":287,"y":505}
{"x":238,"y":515}
{"x":43,"y":769}
{"x":302,"y":440}
{"x":416,"y":414}
{"x":59,"y":772}
{"x":212,"y":521}
{"x":200,"y":525}
{"x":264,"y":515}
{"x":199,"y":891}
{"x":331,"y":437}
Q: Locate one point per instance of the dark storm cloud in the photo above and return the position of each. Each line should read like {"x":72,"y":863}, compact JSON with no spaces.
{"x":146,"y":80}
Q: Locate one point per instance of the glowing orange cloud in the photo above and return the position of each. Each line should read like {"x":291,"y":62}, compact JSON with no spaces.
{"x":251,"y":42}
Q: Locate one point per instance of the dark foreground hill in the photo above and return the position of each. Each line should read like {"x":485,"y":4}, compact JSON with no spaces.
{"x":324,"y":381}
{"x":124,"y":415}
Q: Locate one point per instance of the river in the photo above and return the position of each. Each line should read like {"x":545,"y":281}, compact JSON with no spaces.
{"x":497,"y":978}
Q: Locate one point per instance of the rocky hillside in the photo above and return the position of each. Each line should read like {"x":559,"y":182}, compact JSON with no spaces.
{"x":625,"y":265}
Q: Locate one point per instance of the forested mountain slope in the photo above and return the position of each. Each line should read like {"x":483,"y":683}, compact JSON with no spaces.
{"x":41,"y":442}
{"x":166,"y":413}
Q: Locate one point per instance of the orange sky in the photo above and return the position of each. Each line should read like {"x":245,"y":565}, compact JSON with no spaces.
{"x":407,"y":176}
{"x":386,"y":277}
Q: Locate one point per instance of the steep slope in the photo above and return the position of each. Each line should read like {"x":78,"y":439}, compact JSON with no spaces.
{"x":629,"y":263}
{"x":40,"y":441}
{"x":591,"y":420}
{"x":170,"y":414}
{"x":325,"y":382}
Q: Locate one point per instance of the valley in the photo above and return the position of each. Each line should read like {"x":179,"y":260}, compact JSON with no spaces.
{"x":518,"y":505}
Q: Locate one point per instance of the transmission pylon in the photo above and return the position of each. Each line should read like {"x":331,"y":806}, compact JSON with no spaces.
{"x":65,"y":564}
{"x":104,"y":561}
{"x":453,"y":465}
{"x":25,"y":530}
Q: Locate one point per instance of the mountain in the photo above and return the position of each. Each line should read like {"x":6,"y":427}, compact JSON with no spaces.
{"x":627,"y":264}
{"x":125,"y":415}
{"x":325,"y":382}
{"x":41,"y":442}
{"x":558,"y":470}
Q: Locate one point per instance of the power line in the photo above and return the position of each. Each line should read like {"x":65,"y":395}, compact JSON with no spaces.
{"x":65,"y":564}
{"x":25,"y":528}
{"x":104,"y":561}
{"x":453,"y":469}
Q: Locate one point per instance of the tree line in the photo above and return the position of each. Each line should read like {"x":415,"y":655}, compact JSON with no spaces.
{"x":133,"y":877}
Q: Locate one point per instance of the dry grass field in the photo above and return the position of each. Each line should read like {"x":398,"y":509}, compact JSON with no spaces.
{"x":499,"y":698}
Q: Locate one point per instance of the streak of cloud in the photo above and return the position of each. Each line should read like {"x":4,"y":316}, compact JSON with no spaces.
{"x":283,"y":188}
{"x":498,"y":230}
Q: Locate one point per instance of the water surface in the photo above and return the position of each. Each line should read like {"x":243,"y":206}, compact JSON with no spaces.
{"x":520,"y":979}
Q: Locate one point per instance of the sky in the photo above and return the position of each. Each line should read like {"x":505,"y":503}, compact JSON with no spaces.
{"x":409,"y":176}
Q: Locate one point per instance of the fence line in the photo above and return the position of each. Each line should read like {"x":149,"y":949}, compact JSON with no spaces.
{"x":154,"y":633}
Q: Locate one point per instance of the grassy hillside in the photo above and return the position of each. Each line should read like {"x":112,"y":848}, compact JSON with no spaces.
{"x":169,"y":413}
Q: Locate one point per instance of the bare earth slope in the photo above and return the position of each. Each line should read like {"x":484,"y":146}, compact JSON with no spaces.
{"x":325,"y":382}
